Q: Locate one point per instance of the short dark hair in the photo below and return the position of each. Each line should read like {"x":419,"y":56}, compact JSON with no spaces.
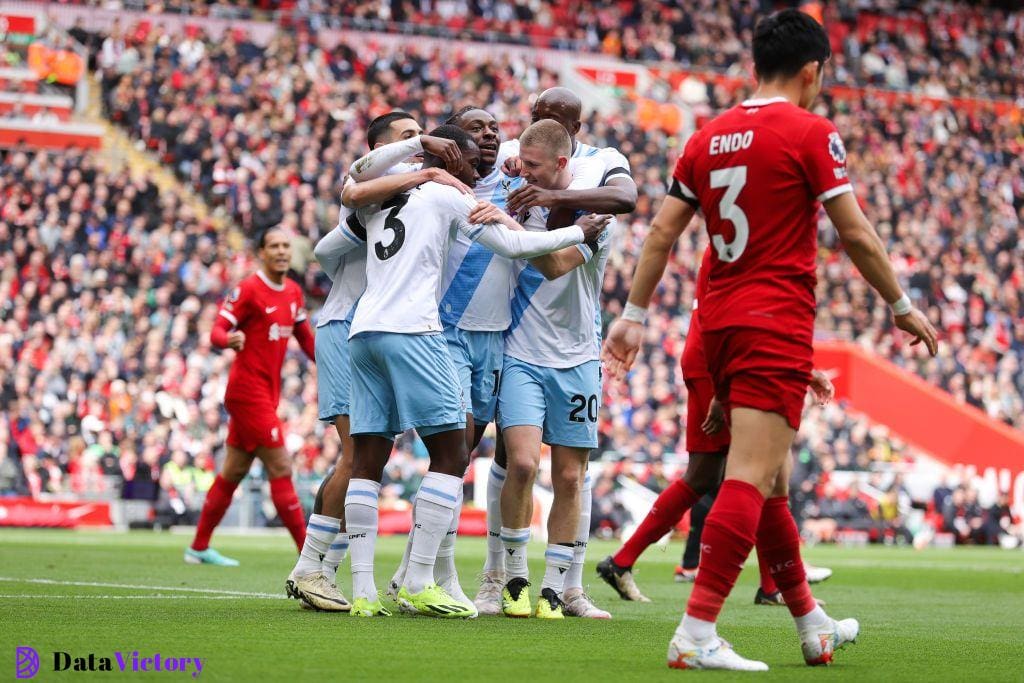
{"x":449,"y":132}
{"x":787,"y":40}
{"x":261,"y":236}
{"x":378,"y":128}
{"x":453,"y":120}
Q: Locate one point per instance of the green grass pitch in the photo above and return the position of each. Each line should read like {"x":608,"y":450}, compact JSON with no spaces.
{"x":937,"y":615}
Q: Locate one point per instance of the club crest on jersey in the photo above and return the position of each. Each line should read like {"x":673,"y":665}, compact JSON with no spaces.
{"x":278,"y":332}
{"x":235,"y":293}
{"x":836,"y":149}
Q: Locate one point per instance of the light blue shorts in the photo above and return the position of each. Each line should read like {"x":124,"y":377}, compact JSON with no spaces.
{"x":404,"y":381}
{"x":563,"y":402}
{"x":478,"y":357}
{"x":333,"y":370}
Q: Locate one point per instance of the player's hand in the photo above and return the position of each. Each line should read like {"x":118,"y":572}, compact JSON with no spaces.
{"x":236,"y":340}
{"x":485,"y":212}
{"x":439,"y":175}
{"x":593,"y":225}
{"x":822,"y":387}
{"x":529,"y":196}
{"x":621,"y":346}
{"x":444,"y":149}
{"x":916,"y":325}
{"x":715,"y":420}
{"x":513,"y":166}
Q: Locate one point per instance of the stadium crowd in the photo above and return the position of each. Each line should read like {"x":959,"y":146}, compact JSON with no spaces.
{"x":939,"y":48}
{"x":113,"y":287}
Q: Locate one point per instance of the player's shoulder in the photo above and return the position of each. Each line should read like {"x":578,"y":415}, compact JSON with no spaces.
{"x":444,"y":196}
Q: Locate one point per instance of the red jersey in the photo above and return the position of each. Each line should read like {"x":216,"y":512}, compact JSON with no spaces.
{"x":267,"y":312}
{"x":693,"y":362}
{"x":759,"y":172}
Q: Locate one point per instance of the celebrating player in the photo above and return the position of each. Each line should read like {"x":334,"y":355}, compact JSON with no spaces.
{"x":760,"y":172}
{"x":312,"y":580}
{"x":617,"y":194}
{"x":256,"y":320}
{"x":551,"y":387}
{"x":403,"y":376}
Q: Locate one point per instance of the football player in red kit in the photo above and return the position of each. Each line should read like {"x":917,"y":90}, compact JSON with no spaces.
{"x":760,"y":172}
{"x":256,"y":320}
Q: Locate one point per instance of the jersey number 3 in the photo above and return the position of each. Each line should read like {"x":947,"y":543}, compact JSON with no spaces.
{"x":392,"y":223}
{"x":733,"y":179}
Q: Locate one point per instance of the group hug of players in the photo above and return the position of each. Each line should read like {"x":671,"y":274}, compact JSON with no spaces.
{"x":466,"y":289}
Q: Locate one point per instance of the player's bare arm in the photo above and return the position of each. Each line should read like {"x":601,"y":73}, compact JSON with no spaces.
{"x":868,"y":253}
{"x":379,"y":190}
{"x":625,"y":334}
{"x":618,"y":196}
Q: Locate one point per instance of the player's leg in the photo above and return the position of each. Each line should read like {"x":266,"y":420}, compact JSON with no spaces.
{"x":691,"y":551}
{"x":704,"y":472}
{"x":314,"y":577}
{"x":278,"y":466}
{"x":521,"y":409}
{"x":429,"y":398}
{"x":488,"y":360}
{"x":573,"y":398}
{"x":778,"y":541}
{"x":568,"y":469}
{"x":374,"y":422}
{"x":236,"y":465}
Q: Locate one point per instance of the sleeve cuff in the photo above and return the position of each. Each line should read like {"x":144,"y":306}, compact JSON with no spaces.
{"x":835,"y":192}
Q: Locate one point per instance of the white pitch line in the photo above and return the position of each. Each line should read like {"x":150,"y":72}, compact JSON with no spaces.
{"x":60,"y":596}
{"x":132,"y":586}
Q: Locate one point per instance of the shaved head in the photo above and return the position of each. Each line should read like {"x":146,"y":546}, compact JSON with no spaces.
{"x":561,"y":105}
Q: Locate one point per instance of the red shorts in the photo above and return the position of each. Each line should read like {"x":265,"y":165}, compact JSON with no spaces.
{"x":759,"y":369}
{"x":700,"y":391}
{"x":253,"y":425}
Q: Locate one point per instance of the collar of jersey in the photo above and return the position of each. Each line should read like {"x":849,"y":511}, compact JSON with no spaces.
{"x":270,"y":283}
{"x":761,"y":101}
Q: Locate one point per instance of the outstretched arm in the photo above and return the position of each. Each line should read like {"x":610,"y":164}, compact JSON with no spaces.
{"x":379,"y":190}
{"x":377,"y":162}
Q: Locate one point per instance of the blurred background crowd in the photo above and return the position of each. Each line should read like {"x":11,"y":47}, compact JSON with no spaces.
{"x":110,"y":287}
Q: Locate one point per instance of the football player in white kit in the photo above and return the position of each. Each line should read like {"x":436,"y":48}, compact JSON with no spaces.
{"x":402,"y":374}
{"x":312,"y":580}
{"x":617,"y":194}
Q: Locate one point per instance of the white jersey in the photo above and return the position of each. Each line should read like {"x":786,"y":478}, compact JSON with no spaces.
{"x":347,"y":271}
{"x":557,"y":323}
{"x":477,"y":282}
{"x":407,"y":245}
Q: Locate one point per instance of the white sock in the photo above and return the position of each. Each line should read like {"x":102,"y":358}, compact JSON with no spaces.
{"x":321,"y":531}
{"x":495,"y":550}
{"x":335,"y":556}
{"x":812,"y":621}
{"x":557,"y":560}
{"x":361,"y":524}
{"x":514,"y":541}
{"x":574,"y":577}
{"x":399,"y":578}
{"x":444,"y":568}
{"x":695,"y":629}
{"x":435,"y":504}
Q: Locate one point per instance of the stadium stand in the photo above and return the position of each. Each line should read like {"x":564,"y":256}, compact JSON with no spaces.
{"x":110,"y":313}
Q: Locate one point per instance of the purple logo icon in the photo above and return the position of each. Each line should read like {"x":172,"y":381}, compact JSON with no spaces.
{"x":26,"y":662}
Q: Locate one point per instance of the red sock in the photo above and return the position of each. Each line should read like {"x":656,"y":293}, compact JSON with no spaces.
{"x":767,"y":582}
{"x":666,"y":512}
{"x":778,"y":541}
{"x":282,"y":491}
{"x":729,"y":534}
{"x":218,"y":500}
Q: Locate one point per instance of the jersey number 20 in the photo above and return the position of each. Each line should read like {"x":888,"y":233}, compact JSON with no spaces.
{"x":391,"y":222}
{"x":733,"y":179}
